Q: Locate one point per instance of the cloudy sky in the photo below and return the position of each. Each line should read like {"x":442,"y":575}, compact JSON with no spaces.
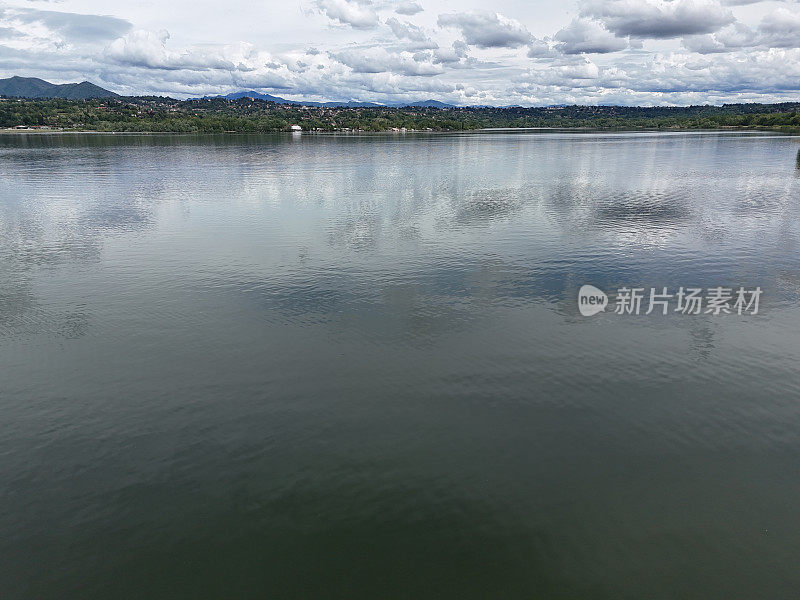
{"x":466,"y":52}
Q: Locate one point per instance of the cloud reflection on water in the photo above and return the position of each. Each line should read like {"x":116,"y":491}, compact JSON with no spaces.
{"x":372,"y":217}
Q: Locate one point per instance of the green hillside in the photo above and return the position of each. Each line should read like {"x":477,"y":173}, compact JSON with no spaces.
{"x":31,"y":87}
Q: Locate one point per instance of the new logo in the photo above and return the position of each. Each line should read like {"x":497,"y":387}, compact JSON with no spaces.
{"x":591,"y":300}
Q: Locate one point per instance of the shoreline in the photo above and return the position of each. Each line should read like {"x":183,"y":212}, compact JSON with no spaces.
{"x":53,"y":131}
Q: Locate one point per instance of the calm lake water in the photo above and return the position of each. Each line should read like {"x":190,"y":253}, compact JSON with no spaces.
{"x":353,"y":367}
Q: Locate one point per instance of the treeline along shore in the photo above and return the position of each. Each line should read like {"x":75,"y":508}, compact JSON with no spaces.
{"x":156,"y":114}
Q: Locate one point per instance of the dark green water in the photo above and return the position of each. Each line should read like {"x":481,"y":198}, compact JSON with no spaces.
{"x":354,"y":368}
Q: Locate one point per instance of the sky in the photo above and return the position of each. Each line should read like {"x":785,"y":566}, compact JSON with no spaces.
{"x":467,"y":52}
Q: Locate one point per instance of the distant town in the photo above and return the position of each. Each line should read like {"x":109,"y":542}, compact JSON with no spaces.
{"x":27,"y":103}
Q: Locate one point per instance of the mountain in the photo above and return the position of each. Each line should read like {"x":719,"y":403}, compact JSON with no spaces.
{"x":31,"y":87}
{"x":352,"y":103}
{"x":425,"y":103}
{"x":279,"y":100}
{"x":255,"y":96}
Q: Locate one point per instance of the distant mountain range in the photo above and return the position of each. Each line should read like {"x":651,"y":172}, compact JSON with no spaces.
{"x":31,"y":87}
{"x":278,"y":100}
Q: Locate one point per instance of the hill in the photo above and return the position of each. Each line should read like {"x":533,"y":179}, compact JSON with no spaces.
{"x":218,"y":115}
{"x":352,"y":103}
{"x":31,"y":87}
{"x":255,"y":96}
{"x":278,"y":100}
{"x":426,"y":104}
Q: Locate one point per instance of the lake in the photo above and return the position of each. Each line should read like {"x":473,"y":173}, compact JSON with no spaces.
{"x":354,"y":367}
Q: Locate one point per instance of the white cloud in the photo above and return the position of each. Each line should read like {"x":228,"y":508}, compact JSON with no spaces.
{"x":778,"y":29}
{"x":380,"y":60}
{"x":487,"y":30}
{"x":148,"y":49}
{"x":407,"y":31}
{"x":781,"y":29}
{"x":585,"y":36}
{"x":733,"y":37}
{"x":618,"y":51}
{"x":408,"y":7}
{"x":659,"y":19}
{"x":359,"y":14}
{"x":675,"y":75}
{"x":27,"y":29}
{"x":539,"y":49}
{"x":71,"y":27}
{"x":571,"y":74}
